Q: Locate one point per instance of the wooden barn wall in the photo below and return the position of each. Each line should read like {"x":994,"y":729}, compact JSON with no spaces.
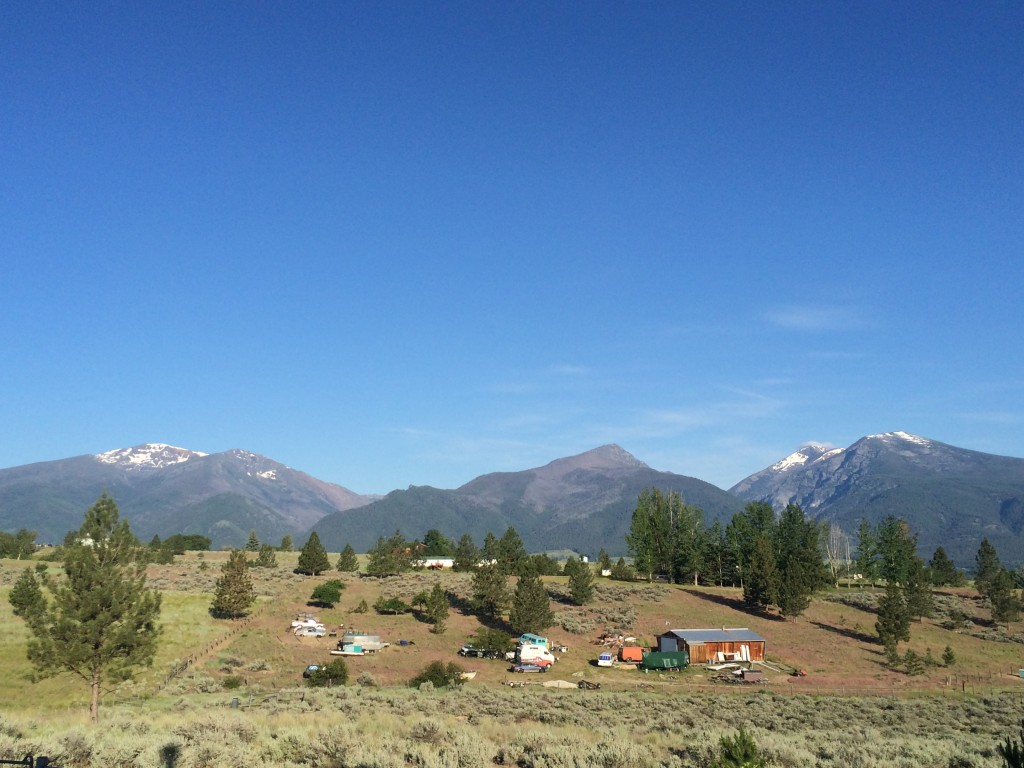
{"x":700,"y":654}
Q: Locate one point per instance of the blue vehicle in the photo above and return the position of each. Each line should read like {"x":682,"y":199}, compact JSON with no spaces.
{"x":529,"y":668}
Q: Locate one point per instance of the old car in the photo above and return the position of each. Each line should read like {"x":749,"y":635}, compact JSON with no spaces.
{"x":529,"y":668}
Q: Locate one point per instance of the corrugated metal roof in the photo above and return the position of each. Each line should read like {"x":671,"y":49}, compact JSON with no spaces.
{"x":700,"y":636}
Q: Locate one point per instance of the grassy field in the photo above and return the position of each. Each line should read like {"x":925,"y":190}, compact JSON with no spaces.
{"x":948,"y":717}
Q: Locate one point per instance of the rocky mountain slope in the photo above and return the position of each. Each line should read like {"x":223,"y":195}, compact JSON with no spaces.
{"x":950,"y":496}
{"x":581,"y":502}
{"x":164,"y":490}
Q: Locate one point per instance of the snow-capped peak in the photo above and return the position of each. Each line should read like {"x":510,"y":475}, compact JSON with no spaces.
{"x":148,"y":456}
{"x":809,"y":453}
{"x":906,"y":436}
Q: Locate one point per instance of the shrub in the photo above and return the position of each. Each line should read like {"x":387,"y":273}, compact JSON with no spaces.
{"x":328,"y":594}
{"x":439,"y":675}
{"x":231,"y":682}
{"x":392,"y":605}
{"x":334,"y":672}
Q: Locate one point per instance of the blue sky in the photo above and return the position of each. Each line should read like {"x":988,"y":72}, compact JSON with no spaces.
{"x":411,"y":243}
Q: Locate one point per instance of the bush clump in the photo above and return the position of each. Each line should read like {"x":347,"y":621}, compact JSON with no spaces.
{"x":440,"y":675}
{"x":334,"y":672}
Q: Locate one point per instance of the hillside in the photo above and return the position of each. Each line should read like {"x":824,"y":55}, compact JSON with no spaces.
{"x":582,"y":502}
{"x":950,"y":496}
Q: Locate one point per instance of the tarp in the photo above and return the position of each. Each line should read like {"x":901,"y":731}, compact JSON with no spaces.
{"x":666,"y":660}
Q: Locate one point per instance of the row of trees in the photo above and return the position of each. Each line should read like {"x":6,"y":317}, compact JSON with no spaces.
{"x":777,"y":561}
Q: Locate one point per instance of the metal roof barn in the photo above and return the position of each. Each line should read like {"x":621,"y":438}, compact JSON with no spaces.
{"x":706,"y":646}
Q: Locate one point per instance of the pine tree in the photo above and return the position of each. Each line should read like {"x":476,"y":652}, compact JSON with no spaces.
{"x":436,"y":609}
{"x":604,"y":560}
{"x":100,"y":621}
{"x":267,"y":558}
{"x":233,"y":595}
{"x":489,"y":552}
{"x":893,"y":624}
{"x":253,"y":544}
{"x":313,"y":557}
{"x":581,"y":581}
{"x":1005,"y":603}
{"x":988,"y":566}
{"x":347,"y":560}
{"x":27,"y":598}
{"x":389,"y":556}
{"x":897,"y":545}
{"x":286,"y":543}
{"x":918,"y":593}
{"x":943,"y":571}
{"x":531,"y":606}
{"x":948,"y":657}
{"x":761,"y":587}
{"x":866,"y":562}
{"x":511,"y":552}
{"x":436,"y":544}
{"x":490,"y":592}
{"x":467,"y":556}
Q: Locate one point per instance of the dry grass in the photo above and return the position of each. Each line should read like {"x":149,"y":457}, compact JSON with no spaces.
{"x":635,"y":720}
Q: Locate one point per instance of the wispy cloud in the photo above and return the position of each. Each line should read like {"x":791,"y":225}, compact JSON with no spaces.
{"x":1006,"y":418}
{"x":810,"y":318}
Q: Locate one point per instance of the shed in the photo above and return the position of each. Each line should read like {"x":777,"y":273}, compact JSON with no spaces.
{"x":705,"y":645}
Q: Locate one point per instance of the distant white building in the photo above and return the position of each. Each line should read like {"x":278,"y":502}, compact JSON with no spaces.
{"x":436,"y":563}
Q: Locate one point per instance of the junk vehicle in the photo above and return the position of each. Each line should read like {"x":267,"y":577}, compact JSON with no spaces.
{"x":368,"y":642}
{"x":529,"y":668}
{"x":480,"y":653}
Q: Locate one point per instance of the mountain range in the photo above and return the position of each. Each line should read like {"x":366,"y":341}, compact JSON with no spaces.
{"x":949,"y":496}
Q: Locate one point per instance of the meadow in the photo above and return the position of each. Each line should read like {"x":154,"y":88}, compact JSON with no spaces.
{"x":230,"y":692}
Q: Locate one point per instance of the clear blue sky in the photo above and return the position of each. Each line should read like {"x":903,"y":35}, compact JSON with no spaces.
{"x":397,"y":243}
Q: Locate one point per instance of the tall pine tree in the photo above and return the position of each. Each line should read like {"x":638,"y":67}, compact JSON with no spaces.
{"x":531,"y":606}
{"x":313,"y":558}
{"x":233,"y":595}
{"x":100,"y":621}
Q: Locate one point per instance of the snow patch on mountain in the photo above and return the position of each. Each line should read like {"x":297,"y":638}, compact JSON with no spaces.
{"x":147,"y":456}
{"x":906,"y":436}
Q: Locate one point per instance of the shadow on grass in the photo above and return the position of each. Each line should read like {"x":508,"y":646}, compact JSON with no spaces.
{"x":852,"y":634}
{"x":736,"y":603}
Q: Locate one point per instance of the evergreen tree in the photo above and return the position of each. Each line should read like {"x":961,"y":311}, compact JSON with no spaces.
{"x":756,"y":519}
{"x":233,"y":595}
{"x":761,"y":587}
{"x":467,"y":556}
{"x":1005,"y":603}
{"x":389,"y":556}
{"x":490,"y":592}
{"x":27,"y":598}
{"x":604,"y":560}
{"x":581,"y":582}
{"x":893,"y":624}
{"x":801,"y":569}
{"x":435,"y":544}
{"x":948,"y":657}
{"x":286,"y":543}
{"x":267,"y":558}
{"x":436,"y":609}
{"x":511,"y":552}
{"x":347,"y":560}
{"x":489,"y":552}
{"x":918,"y":593}
{"x":897,"y":546}
{"x":988,"y":566}
{"x":943,"y":571}
{"x":313,"y":558}
{"x":100,"y":621}
{"x":739,"y":751}
{"x":531,"y":606}
{"x":253,"y":544}
{"x":714,"y":554}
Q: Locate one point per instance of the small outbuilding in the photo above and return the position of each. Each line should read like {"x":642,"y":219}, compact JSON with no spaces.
{"x":707,"y":646}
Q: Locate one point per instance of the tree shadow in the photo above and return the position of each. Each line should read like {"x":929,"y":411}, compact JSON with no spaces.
{"x":847,"y":632}
{"x":736,"y":603}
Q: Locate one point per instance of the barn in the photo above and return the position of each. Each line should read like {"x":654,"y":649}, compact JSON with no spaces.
{"x":705,"y":645}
